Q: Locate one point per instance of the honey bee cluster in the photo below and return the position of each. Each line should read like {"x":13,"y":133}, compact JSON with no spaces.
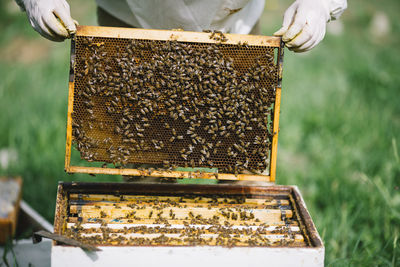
{"x":217,"y":36}
{"x":174,"y":103}
{"x":189,"y":236}
{"x":189,"y":221}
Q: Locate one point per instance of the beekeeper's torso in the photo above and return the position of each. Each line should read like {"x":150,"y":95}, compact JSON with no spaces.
{"x":234,"y":16}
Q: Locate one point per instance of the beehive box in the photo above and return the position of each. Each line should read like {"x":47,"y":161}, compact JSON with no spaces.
{"x":175,"y":104}
{"x":10,"y":196}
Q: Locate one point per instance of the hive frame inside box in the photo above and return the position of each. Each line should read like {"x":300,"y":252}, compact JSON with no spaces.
{"x":183,"y":255}
{"x":186,"y":255}
{"x":180,"y":36}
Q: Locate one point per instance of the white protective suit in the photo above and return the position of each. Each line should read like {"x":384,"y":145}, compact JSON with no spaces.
{"x":234,"y":16}
{"x":303,"y":26}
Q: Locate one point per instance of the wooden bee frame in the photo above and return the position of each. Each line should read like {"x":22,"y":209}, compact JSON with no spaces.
{"x":180,"y":36}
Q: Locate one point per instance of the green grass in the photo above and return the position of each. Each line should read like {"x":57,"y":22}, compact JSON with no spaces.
{"x":339,"y":139}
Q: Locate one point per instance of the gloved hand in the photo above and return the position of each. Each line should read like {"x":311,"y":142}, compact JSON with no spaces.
{"x":304,"y":22}
{"x":50,"y":18}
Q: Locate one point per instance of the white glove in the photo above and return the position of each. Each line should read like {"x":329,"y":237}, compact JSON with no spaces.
{"x":304,"y":22}
{"x":50,"y":18}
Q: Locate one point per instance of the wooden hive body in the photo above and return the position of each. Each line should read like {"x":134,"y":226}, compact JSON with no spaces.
{"x":9,"y":204}
{"x":178,"y":224}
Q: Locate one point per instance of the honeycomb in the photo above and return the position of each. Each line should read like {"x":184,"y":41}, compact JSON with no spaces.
{"x":171,"y":103}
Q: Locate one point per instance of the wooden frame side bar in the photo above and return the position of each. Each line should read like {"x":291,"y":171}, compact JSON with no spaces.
{"x":71,"y":87}
{"x":274,"y":148}
{"x":182,"y":36}
{"x":277,"y":107}
{"x":68,"y":145}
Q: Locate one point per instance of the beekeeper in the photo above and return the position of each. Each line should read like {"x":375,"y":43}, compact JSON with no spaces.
{"x":304,"y":22}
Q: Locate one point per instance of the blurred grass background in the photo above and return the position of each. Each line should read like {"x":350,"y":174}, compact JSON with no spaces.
{"x":340,"y":123}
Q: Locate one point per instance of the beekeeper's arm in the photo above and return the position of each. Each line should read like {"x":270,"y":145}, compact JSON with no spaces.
{"x":50,"y":18}
{"x":304,"y":22}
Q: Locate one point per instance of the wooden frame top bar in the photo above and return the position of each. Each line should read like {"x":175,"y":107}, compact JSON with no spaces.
{"x":177,"y":35}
